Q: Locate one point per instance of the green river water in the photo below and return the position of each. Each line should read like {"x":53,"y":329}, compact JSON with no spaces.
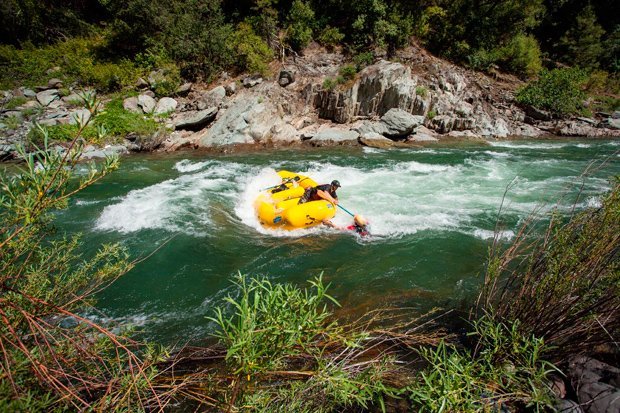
{"x":432,"y":211}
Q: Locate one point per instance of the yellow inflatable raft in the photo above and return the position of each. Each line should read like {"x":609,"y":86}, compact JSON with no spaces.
{"x":278,"y":207}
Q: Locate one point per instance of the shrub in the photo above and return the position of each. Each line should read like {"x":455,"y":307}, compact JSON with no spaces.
{"x":347,"y":72}
{"x":330,"y":37}
{"x":78,"y":61}
{"x":329,"y":84}
{"x":251,"y":53}
{"x":563,"y":287}
{"x":270,"y":321}
{"x":421,"y":91}
{"x":362,"y":60}
{"x":119,"y":122}
{"x":300,"y":23}
{"x":522,"y":56}
{"x":559,"y":91}
{"x":482,"y":59}
{"x":506,"y":368}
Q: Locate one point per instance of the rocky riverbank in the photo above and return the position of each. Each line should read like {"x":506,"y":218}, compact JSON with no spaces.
{"x":413,"y":100}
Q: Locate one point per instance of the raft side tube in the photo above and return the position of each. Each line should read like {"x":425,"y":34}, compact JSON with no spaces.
{"x":309,"y":214}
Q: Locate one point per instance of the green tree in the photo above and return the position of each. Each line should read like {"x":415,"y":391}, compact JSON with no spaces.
{"x":522,"y":56}
{"x":582,"y":42}
{"x":300,"y":23}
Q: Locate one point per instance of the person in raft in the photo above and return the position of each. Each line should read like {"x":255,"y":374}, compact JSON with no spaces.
{"x":360,"y":226}
{"x":316,"y":193}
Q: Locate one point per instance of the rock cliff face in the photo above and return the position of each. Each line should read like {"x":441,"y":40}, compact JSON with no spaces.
{"x":419,"y":99}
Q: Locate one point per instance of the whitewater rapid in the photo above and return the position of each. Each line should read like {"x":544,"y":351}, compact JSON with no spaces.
{"x":399,"y":197}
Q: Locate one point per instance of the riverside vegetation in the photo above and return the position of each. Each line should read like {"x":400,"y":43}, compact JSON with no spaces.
{"x":280,"y":346}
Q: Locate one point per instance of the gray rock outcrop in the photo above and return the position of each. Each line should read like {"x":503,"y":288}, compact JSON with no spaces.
{"x":147,"y":103}
{"x":47,"y":96}
{"x":165,"y":105}
{"x":400,"y":123}
{"x":330,"y":136}
{"x":131,"y":105}
{"x":596,"y":383}
{"x":195,"y":120}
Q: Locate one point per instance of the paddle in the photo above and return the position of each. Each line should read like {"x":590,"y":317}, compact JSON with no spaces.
{"x":346,"y":210}
{"x":284,"y":181}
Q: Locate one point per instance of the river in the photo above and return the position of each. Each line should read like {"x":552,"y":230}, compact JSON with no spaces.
{"x":433,"y":213}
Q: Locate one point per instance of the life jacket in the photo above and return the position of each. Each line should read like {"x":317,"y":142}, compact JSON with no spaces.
{"x":361,"y":231}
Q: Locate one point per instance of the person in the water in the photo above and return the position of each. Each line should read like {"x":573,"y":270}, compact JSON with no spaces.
{"x":360,"y":226}
{"x":316,"y":193}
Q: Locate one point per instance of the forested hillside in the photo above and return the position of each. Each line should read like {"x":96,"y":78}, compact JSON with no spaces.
{"x":204,"y":36}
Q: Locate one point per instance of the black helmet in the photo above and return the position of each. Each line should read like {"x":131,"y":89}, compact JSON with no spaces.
{"x":336,"y":183}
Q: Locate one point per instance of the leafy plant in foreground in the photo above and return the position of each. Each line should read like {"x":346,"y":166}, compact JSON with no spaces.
{"x":506,"y":368}
{"x":50,"y":354}
{"x":270,"y":321}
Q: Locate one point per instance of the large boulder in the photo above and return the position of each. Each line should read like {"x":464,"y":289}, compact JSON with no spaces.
{"x":79,"y":117}
{"x":232,"y":127}
{"x":376,"y":141}
{"x":596,"y":384}
{"x":131,"y":105}
{"x":195,"y":120}
{"x":47,"y":96}
{"x":286,"y":77}
{"x":147,"y":103}
{"x":214,"y":97}
{"x":165,"y":105}
{"x":399,"y":123}
{"x":330,"y":136}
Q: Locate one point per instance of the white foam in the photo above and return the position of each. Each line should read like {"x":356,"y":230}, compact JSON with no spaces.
{"x":188,"y":166}
{"x":485,"y":234}
{"x":181,"y":204}
{"x":529,"y":145}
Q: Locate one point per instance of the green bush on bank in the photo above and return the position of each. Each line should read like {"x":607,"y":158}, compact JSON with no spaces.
{"x":114,"y":120}
{"x":251,"y":52}
{"x":506,"y":368}
{"x":75,"y":59}
{"x":559,"y":91}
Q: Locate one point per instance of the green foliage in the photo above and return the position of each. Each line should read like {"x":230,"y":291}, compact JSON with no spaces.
{"x":330,"y":37}
{"x":194,"y":35}
{"x":12,"y":122}
{"x":329,"y":84}
{"x":270,"y":322}
{"x":559,"y":91}
{"x":347,"y":72}
{"x":54,"y":358}
{"x":582,"y":42}
{"x":300,"y":23}
{"x":421,"y":91}
{"x":521,"y":56}
{"x":59,"y":133}
{"x":362,"y":60}
{"x":506,"y":369}
{"x":431,"y":114}
{"x":78,"y":62}
{"x":15,"y":102}
{"x":251,"y":52}
{"x":119,"y":122}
